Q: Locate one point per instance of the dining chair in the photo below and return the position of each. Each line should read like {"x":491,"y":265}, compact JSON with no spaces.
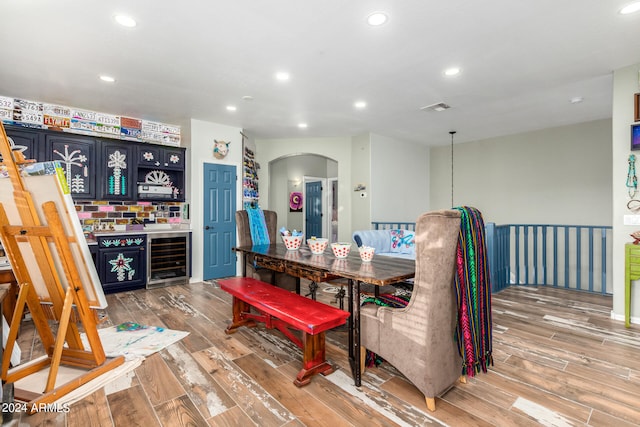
{"x":281,"y":280}
{"x":419,"y":339}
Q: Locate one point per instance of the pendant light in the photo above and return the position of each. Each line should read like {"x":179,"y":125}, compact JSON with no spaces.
{"x":452,"y":132}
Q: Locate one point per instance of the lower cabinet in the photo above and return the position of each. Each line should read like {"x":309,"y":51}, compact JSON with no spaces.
{"x":122,"y":262}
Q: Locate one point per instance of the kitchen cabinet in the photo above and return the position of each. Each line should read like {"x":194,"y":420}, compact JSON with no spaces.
{"x":117,"y":178}
{"x":160,"y":169}
{"x":26,"y":140}
{"x":153,"y":156}
{"x":107,"y":169}
{"x":122,"y":262}
{"x":77,"y":155}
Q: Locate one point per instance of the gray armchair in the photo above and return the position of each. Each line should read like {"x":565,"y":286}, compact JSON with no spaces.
{"x":281,"y":280}
{"x":419,"y":339}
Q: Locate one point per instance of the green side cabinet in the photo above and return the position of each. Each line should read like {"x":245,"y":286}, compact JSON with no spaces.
{"x":631,"y":273}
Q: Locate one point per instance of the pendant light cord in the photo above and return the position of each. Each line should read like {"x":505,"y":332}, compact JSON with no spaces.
{"x":453,"y":132}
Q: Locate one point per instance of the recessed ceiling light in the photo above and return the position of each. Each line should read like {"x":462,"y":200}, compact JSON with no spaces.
{"x":630,"y":8}
{"x":231,"y":108}
{"x":107,"y":79}
{"x":282,"y":76}
{"x":360,"y":105}
{"x":377,"y":18}
{"x":247,"y":98}
{"x":125,"y":21}
{"x":576,"y":100}
{"x":453,"y":71}
{"x":302,"y":125}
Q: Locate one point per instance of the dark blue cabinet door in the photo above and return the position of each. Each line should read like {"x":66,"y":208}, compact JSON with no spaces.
{"x":122,"y":263}
{"x":25,"y":140}
{"x":117,"y":171}
{"x":77,"y":156}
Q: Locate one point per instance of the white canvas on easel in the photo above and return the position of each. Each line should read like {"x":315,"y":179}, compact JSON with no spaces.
{"x":44,"y":182}
{"x":50,"y":258}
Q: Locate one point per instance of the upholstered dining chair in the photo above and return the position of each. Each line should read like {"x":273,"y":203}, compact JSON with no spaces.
{"x":282,"y":280}
{"x":419,"y":339}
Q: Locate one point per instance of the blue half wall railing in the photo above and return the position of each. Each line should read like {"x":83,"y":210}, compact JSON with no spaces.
{"x":568,"y":256}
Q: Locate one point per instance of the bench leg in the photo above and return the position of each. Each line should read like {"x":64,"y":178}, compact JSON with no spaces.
{"x":313,"y":359}
{"x":239,"y":319}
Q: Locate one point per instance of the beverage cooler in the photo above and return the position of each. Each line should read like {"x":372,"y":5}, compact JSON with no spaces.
{"x":169,"y":259}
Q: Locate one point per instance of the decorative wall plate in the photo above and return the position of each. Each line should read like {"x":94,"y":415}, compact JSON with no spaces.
{"x":220,"y":149}
{"x":157,"y":177}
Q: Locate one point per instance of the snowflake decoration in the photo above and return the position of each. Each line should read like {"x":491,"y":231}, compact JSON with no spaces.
{"x":122,"y":267}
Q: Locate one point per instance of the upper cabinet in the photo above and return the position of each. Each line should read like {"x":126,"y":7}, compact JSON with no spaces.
{"x":77,"y":154}
{"x":118,"y":176}
{"x":151,"y":156}
{"x":108,"y":169}
{"x":160,"y":172}
{"x":26,"y":140}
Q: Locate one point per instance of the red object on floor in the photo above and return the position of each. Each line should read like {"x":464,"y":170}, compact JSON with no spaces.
{"x":281,"y":309}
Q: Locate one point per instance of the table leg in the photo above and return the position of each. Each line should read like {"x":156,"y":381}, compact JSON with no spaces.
{"x":354,"y":331}
{"x":350,"y":324}
{"x":313,"y":287}
{"x":244,"y":264}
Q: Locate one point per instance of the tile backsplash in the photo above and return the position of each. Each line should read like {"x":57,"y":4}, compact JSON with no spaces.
{"x":104,"y":215}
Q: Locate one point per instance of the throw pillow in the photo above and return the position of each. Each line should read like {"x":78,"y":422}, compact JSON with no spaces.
{"x":403,"y":241}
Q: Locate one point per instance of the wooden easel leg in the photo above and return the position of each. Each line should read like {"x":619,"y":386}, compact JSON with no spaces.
{"x":59,"y":346}
{"x":13,"y":329}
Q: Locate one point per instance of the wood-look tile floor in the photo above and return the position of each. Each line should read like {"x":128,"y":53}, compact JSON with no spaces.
{"x":559,"y":361}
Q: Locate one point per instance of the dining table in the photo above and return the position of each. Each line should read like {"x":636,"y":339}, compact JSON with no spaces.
{"x":303,"y":264}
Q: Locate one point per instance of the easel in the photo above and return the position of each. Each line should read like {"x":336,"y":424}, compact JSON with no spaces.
{"x":62,"y":290}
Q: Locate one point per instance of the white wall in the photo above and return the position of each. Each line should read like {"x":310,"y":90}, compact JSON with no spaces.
{"x":554,"y":176}
{"x":399,"y":180}
{"x":201,"y":152}
{"x":338,"y":149}
{"x":361,"y":174}
{"x":626,"y":82}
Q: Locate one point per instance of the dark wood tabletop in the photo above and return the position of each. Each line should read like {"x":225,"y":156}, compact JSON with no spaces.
{"x":381,"y":270}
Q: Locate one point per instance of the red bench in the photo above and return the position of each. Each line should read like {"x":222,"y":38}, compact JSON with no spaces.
{"x":284,"y":310}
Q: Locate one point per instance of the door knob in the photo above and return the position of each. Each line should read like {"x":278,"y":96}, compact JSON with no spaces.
{"x":207,"y":227}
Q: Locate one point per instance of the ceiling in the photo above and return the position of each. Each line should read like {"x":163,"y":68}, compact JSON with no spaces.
{"x":522,"y":62}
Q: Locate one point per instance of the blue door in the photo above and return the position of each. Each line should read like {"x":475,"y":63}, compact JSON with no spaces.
{"x":313,"y":209}
{"x":219,"y":223}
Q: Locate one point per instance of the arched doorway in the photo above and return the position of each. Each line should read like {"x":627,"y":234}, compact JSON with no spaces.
{"x":294,"y":176}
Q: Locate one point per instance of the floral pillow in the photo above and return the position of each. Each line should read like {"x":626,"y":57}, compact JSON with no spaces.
{"x":403,"y":241}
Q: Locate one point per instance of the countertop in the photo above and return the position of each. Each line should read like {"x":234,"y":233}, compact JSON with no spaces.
{"x":152,"y":230}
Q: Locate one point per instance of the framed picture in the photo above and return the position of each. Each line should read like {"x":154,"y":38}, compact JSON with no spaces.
{"x":635,"y":137}
{"x":295,"y":200}
{"x":636,"y":107}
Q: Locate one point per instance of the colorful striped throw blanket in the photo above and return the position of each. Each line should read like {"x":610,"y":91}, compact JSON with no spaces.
{"x":473,"y":292}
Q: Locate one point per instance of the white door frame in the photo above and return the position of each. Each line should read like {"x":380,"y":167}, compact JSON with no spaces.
{"x":329,"y":205}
